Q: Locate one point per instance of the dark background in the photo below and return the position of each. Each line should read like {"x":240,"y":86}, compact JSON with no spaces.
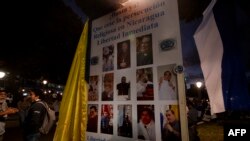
{"x":39,"y":37}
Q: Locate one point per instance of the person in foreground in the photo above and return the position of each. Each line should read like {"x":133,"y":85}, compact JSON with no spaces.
{"x":8,"y":111}
{"x":35,"y":115}
{"x":4,"y":112}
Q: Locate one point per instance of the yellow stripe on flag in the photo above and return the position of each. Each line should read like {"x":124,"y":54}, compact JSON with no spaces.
{"x":73,"y":109}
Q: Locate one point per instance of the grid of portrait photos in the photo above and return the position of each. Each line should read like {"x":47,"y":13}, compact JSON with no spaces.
{"x":115,"y":95}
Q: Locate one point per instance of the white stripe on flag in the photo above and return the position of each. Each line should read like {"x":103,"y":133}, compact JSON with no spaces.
{"x":210,"y":49}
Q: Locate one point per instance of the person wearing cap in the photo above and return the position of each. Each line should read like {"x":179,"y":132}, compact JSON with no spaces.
{"x":35,"y":116}
{"x":4,"y":111}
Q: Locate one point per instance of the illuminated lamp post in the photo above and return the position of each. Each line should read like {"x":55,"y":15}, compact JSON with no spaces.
{"x":199,"y":85}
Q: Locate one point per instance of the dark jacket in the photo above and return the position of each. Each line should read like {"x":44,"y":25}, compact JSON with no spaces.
{"x":170,"y":136}
{"x":34,"y":118}
{"x":144,"y":59}
{"x":123,"y":88}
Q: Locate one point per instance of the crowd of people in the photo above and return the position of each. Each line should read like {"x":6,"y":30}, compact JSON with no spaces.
{"x":29,"y":109}
{"x":31,"y":115}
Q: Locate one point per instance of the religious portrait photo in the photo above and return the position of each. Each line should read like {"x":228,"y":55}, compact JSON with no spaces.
{"x":108,"y":58}
{"x":93,"y":88}
{"x":146,"y":122}
{"x":144,"y":84}
{"x":170,"y":123}
{"x":123,"y":55}
{"x":124,"y":123}
{"x":167,"y":81}
{"x":144,"y":52}
{"x":123,"y":88}
{"x":107,"y":119}
{"x":92,"y":118}
{"x":108,"y":85}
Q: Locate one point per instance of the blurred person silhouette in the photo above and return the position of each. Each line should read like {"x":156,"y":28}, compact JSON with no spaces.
{"x":56,"y":105}
{"x":171,"y":130}
{"x":23,"y":105}
{"x":4,"y":112}
{"x":192,"y":116}
{"x":144,"y":50}
{"x":3,"y":102}
{"x":35,"y":116}
{"x":146,"y":125}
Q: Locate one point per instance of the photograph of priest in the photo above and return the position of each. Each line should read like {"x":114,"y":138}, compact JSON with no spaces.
{"x":144,"y":50}
{"x":123,"y":55}
{"x":123,"y":88}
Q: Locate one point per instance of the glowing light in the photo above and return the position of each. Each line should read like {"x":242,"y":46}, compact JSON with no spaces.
{"x":198,"y":84}
{"x":45,"y":82}
{"x":2,"y":74}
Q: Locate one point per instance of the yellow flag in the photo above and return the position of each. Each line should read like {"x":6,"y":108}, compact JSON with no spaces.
{"x":73,"y":109}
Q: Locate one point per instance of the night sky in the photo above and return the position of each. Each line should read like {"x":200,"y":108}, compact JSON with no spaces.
{"x":39,"y":37}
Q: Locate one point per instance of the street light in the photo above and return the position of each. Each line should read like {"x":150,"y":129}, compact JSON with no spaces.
{"x":198,"y":85}
{"x":45,"y":82}
{"x":2,"y":74}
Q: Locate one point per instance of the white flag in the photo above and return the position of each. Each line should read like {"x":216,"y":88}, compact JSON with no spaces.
{"x":210,"y":49}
